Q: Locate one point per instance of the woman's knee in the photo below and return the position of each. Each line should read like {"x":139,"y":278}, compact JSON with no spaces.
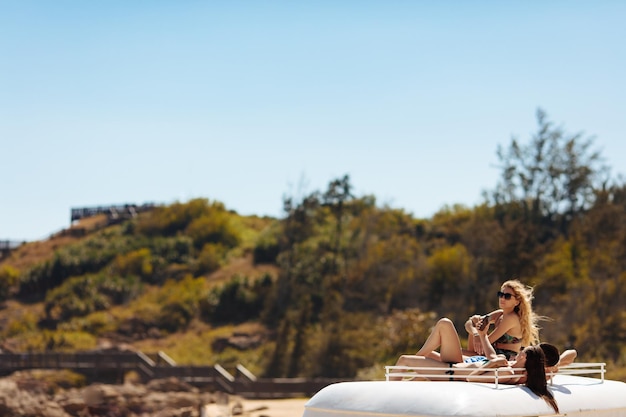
{"x":404,"y":360}
{"x":445,"y":322}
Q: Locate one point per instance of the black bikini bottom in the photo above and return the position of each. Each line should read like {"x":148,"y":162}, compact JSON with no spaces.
{"x":450,"y":371}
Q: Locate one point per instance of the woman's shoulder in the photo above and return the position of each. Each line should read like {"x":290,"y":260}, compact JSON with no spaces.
{"x":510,"y":322}
{"x":511,"y":317}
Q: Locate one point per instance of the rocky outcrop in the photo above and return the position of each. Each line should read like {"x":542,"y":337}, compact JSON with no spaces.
{"x":21,"y":395}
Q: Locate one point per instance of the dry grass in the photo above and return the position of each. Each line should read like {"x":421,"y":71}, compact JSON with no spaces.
{"x":192,"y":346}
{"x":32,"y":253}
{"x":14,"y":310}
{"x":243,"y":266}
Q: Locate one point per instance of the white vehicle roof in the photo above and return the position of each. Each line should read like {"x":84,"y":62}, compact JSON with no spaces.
{"x":576,"y":396}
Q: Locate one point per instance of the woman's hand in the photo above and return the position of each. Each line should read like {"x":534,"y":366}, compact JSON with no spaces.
{"x":480,"y":333}
{"x":470,"y":325}
{"x":475,"y":319}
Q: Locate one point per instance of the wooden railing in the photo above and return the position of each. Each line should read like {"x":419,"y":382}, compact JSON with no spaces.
{"x":112,"y":211}
{"x":6,"y":246}
{"x":113,"y":366}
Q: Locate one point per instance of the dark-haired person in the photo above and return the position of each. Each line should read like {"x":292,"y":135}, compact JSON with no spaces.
{"x":554,"y":359}
{"x":533,"y":360}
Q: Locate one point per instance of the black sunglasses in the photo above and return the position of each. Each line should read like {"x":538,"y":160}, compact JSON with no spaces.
{"x":507,"y":296}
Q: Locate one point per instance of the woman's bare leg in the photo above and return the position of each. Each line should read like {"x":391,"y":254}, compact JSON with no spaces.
{"x":419,"y":361}
{"x":445,"y":338}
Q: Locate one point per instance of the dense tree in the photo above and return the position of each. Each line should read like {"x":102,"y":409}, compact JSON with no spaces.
{"x":556,"y":173}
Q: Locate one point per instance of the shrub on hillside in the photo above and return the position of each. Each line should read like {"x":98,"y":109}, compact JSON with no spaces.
{"x":179,"y":302}
{"x":267,"y":247}
{"x":80,"y":296}
{"x":96,"y":323}
{"x":46,"y":340}
{"x":216,"y":227}
{"x":88,"y":256}
{"x":23,"y":323}
{"x":211,"y":258}
{"x":178,"y":249}
{"x":136,"y":263}
{"x":9,"y":277}
{"x":236,"y":301}
{"x":175,"y":218}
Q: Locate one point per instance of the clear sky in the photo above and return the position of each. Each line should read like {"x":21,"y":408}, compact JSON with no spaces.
{"x":114,"y":102}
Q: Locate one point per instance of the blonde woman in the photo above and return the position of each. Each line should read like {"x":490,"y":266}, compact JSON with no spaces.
{"x":515,"y":323}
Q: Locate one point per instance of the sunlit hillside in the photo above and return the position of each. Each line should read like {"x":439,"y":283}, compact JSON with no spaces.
{"x":340,"y":286}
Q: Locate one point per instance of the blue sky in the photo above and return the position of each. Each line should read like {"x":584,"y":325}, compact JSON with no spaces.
{"x":243,"y":102}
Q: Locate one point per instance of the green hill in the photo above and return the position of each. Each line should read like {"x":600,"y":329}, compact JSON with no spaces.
{"x":145,"y":283}
{"x":339,"y":286}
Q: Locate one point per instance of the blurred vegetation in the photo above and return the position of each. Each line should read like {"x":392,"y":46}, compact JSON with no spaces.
{"x":51,"y":381}
{"x":340,"y":286}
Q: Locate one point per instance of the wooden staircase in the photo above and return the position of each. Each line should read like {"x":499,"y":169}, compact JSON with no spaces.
{"x":111,"y":367}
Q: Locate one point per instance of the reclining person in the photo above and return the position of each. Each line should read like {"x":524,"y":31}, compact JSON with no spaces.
{"x":450,"y":357}
{"x":528,"y":368}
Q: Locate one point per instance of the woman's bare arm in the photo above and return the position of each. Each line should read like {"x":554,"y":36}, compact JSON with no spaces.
{"x":507,"y":323}
{"x":567,"y":357}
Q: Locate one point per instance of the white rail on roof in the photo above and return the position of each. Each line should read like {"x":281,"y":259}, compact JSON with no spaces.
{"x":581,"y":368}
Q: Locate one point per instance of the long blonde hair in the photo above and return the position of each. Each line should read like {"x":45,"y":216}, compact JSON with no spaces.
{"x":527,"y":317}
